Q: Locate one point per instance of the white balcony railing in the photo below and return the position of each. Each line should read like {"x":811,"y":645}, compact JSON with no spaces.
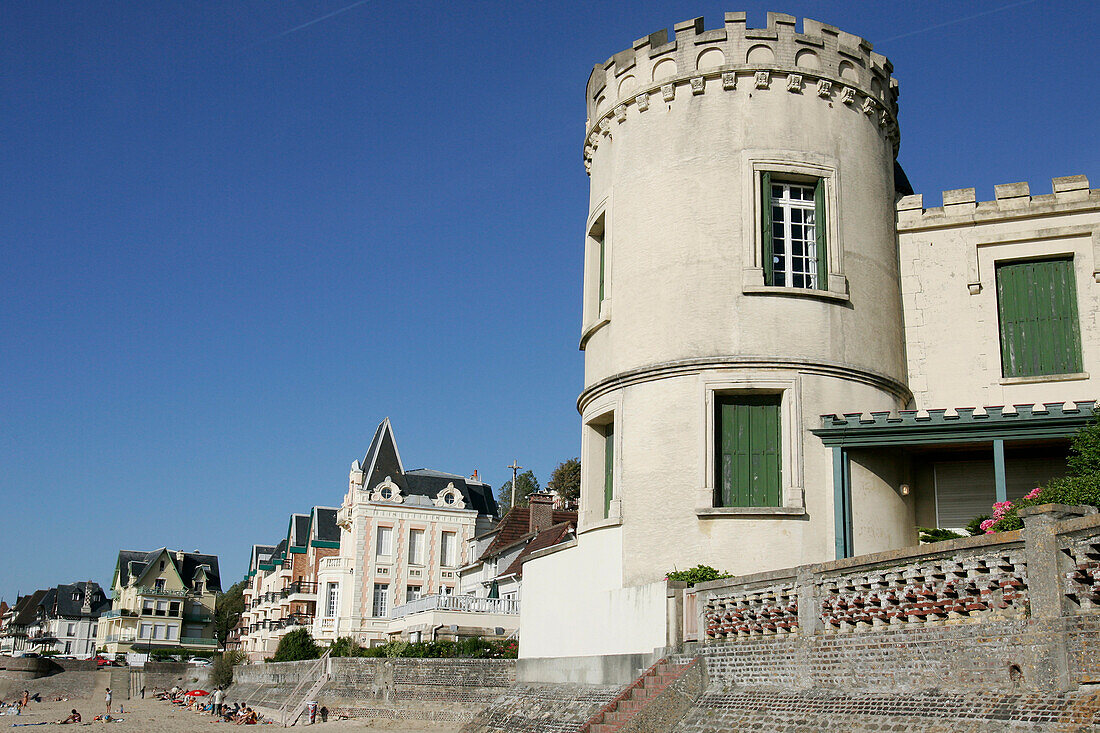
{"x":335,"y":563}
{"x":466,"y":604}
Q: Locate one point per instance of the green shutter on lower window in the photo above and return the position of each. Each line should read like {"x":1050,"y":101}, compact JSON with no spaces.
{"x":608,"y":468}
{"x":766,"y":227}
{"x":819,"y":231}
{"x":1037,"y":307}
{"x":748,"y":451}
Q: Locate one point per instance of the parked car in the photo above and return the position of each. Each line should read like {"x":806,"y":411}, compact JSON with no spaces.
{"x":101,"y":661}
{"x":28,"y":655}
{"x":199,"y":662}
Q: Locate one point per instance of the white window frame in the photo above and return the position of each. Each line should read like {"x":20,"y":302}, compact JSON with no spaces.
{"x":383,"y":548}
{"x":145,"y":631}
{"x":416,"y":547}
{"x":380,"y":602}
{"x":793,"y":166}
{"x":788,"y":205}
{"x":332,"y":600}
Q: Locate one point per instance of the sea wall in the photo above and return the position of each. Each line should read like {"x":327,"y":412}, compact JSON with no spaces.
{"x":436,"y":690}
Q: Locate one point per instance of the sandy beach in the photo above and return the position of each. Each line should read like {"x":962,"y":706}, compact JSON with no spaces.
{"x":162,"y":717}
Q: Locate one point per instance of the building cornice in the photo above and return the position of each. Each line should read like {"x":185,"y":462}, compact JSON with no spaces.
{"x":685,"y":367}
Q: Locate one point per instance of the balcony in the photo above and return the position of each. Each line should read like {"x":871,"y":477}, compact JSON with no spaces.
{"x":116,"y":638}
{"x":147,"y":591}
{"x":198,"y":618}
{"x":300,"y":588}
{"x":197,"y":641}
{"x":461,"y":604}
{"x":335,"y":563}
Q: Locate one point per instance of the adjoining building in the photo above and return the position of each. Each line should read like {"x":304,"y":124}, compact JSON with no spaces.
{"x":162,"y":599}
{"x":71,"y":614}
{"x":498,"y":570}
{"x":24,"y":620}
{"x":404,"y":535}
{"x":281,"y":594}
{"x":789,"y":358}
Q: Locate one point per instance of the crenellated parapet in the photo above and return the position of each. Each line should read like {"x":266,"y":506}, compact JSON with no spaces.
{"x":821,"y":62}
{"x":1012,"y":200}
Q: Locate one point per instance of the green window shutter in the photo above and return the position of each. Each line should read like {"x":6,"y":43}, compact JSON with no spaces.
{"x":1037,"y":307}
{"x":608,"y":468}
{"x":819,"y":229}
{"x":766,"y":226}
{"x":748,"y":445}
{"x":603,"y":260}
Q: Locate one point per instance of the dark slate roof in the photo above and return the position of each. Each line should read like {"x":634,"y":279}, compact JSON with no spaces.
{"x":280,"y":550}
{"x":26,"y":608}
{"x":60,"y":601}
{"x":382,"y":460}
{"x":299,"y":530}
{"x":134,"y":563}
{"x":325,"y":528}
{"x":546,"y":538}
{"x":516,"y":525}
{"x":260,"y":553}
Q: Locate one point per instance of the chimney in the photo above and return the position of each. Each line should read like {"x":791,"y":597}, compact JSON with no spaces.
{"x":542,"y":510}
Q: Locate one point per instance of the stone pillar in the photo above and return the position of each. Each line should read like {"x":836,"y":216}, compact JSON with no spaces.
{"x":809,"y":622}
{"x":1045,"y":593}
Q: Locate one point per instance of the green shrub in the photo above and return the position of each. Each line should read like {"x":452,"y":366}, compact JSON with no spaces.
{"x":474,"y":647}
{"x":345,"y":646}
{"x":933,"y":534}
{"x":295,"y":646}
{"x":697,"y":574}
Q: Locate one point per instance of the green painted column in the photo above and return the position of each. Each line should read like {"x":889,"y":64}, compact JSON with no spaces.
{"x":999,"y":470}
{"x":842,"y":503}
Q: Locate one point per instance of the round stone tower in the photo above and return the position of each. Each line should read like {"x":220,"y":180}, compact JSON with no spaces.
{"x":741,"y":279}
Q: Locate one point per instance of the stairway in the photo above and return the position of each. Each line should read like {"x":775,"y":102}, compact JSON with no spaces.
{"x":632,"y":701}
{"x":293,"y":708}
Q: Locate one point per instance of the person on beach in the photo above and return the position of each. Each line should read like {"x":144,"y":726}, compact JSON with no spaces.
{"x":74,"y":717}
{"x":108,"y":698}
{"x":219,"y":699}
{"x":143,"y":692}
{"x":25,"y":700}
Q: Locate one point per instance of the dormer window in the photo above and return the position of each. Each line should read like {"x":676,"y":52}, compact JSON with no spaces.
{"x":162,"y":564}
{"x":385,"y":492}
{"x":158,"y":584}
{"x":198,"y":586}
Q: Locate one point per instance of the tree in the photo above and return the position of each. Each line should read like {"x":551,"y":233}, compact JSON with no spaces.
{"x":526,"y":484}
{"x":295,"y":646}
{"x":565,"y":481}
{"x":228,"y":609}
{"x":221,"y":674}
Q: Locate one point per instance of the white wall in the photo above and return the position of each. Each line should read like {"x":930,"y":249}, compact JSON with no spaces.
{"x":576,"y":596}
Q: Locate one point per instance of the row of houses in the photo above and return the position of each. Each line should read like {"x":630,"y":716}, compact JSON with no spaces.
{"x":160,"y":599}
{"x":413,"y":554}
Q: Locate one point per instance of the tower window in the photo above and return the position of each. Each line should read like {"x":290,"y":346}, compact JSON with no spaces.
{"x":793,"y":223}
{"x":747,"y":436}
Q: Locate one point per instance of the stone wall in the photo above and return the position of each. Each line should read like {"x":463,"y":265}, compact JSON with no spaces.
{"x":543,"y":708}
{"x":1011,"y":611}
{"x":992,"y":633}
{"x":439,"y":690}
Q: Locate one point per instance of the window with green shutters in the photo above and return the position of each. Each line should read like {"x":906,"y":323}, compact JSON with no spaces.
{"x":793,"y":232}
{"x":1037,"y":307}
{"x":608,"y":467}
{"x":748,"y":451}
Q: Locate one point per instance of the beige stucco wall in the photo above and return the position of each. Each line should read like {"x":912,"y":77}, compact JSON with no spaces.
{"x":948,"y":256}
{"x":675,"y":165}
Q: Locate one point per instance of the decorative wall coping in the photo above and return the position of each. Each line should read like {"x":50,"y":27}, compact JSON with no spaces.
{"x":1013,"y":200}
{"x":822,"y":61}
{"x":1051,"y":419}
{"x":1045,"y":572}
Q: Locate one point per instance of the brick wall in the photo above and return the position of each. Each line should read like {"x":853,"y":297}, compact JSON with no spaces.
{"x":531,"y":708}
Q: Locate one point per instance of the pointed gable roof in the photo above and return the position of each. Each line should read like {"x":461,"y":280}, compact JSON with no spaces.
{"x":323,"y":525}
{"x":132,"y":564}
{"x":382,"y":460}
{"x":297,"y":534}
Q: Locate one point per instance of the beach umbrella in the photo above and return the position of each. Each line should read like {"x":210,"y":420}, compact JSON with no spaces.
{"x":196,"y":693}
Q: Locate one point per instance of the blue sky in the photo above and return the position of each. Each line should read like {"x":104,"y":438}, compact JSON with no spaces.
{"x":230,"y":248}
